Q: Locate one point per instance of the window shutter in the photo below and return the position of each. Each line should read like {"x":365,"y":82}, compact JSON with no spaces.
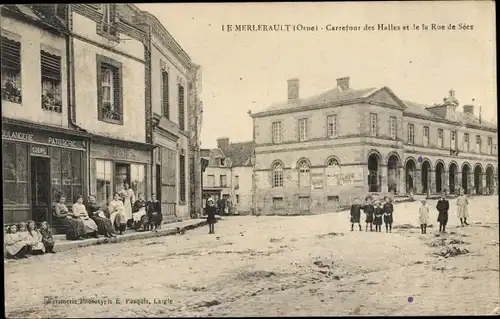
{"x":165,"y":101}
{"x":93,"y":174}
{"x":117,"y":91}
{"x":11,"y":54}
{"x":51,"y":66}
{"x":99,"y":90}
{"x":181,"y":107}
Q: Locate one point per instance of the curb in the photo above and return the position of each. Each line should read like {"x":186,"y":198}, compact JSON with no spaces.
{"x":167,"y":230}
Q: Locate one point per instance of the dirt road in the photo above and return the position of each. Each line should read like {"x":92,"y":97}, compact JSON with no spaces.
{"x":271,"y":266}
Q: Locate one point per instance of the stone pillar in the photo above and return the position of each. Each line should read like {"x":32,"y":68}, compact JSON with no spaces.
{"x":458,"y":182}
{"x":417,"y":181}
{"x":494,"y":184}
{"x":431,"y":181}
{"x":483,"y":187}
{"x":471,"y":184}
{"x":445,"y":181}
{"x":384,"y":180}
{"x":402,"y":180}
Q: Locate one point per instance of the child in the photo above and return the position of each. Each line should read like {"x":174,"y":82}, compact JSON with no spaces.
{"x":16,"y":246}
{"x":211,"y":210}
{"x":379,"y":212}
{"x":388,"y":210}
{"x":423,"y":217}
{"x":368,"y":209}
{"x":36,"y":246}
{"x":443,"y":206}
{"x":47,"y":239}
{"x":23,"y":233}
{"x":355,"y":214}
{"x":154,"y":214}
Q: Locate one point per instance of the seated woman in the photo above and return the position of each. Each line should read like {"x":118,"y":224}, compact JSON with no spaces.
{"x":16,"y":246}
{"x":140,"y":216}
{"x":104,"y":225}
{"x":47,"y":239}
{"x":35,"y":246}
{"x":75,"y":228}
{"x":80,"y":211}
{"x":117,"y":213}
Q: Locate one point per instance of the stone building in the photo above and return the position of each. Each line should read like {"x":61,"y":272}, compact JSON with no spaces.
{"x":44,"y":152}
{"x":229,"y":174}
{"x":317,"y":154}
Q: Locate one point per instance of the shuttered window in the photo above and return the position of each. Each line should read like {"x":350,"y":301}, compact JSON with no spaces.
{"x":109,"y":89}
{"x":166,"y":95}
{"x":51,"y":66}
{"x":181,"y":108}
{"x":182,"y":176}
{"x":11,"y":70}
{"x":51,"y":82}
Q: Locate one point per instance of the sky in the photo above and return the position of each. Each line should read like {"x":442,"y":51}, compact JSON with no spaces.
{"x":244,"y":71}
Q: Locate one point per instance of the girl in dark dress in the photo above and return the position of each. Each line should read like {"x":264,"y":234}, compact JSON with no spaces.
{"x":377,"y":220}
{"x":155,"y":217}
{"x":95,"y":212}
{"x":47,"y":239}
{"x":388,"y":210}
{"x":355,"y":214}
{"x":442,"y":207}
{"x":211,"y":210}
{"x":368,"y":209}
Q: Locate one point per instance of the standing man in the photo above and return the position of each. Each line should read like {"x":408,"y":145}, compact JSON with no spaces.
{"x":462,"y":210}
{"x":442,"y":207}
{"x":388,"y":210}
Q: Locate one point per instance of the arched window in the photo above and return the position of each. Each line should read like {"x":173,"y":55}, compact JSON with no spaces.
{"x":278,"y":175}
{"x":332,"y":172}
{"x":304,"y":174}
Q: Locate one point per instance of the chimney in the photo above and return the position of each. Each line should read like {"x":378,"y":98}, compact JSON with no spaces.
{"x":469,"y":109}
{"x":223,"y":144}
{"x":293,"y":89}
{"x":343,"y":83}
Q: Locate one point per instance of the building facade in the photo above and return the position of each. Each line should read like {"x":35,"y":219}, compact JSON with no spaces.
{"x":44,"y":153}
{"x":229,"y":174}
{"x":367,"y":141}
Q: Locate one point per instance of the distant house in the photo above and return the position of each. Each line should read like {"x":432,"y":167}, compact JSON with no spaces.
{"x":229,"y":174}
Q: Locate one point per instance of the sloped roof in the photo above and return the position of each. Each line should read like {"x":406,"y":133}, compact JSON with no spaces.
{"x":474,"y":120}
{"x":240,"y":152}
{"x":39,"y":13}
{"x":333,"y":95}
{"x":420,"y":109}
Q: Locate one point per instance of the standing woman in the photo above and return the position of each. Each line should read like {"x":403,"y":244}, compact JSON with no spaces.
{"x":117,"y":213}
{"x":128,"y":201}
{"x":442,"y":207}
{"x":368,"y":209}
{"x":75,"y":228}
{"x":211,"y":210}
{"x":355,"y":214}
{"x":462,"y":210}
{"x":388,"y":210}
{"x":377,"y":220}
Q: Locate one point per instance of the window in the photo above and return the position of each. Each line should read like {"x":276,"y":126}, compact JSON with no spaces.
{"x":11,"y":70}
{"x":490,"y":146}
{"x":138,"y":178}
{"x":277,"y":132}
{"x":109,"y":91}
{"x":182,"y":177}
{"x":211,"y":180}
{"x":278,"y":175}
{"x":373,"y":124}
{"x":440,"y":138}
{"x":393,"y":128}
{"x":411,"y":134}
{"x":51,"y":82}
{"x":223,"y":181}
{"x":278,"y":203}
{"x":303,"y":129}
{"x":237,"y":199}
{"x":165,"y":101}
{"x":221,"y":162}
{"x":332,"y":172}
{"x":332,"y":126}
{"x":104,"y":176}
{"x":236,"y":181}
{"x":15,"y":173}
{"x":478,"y":143}
{"x":66,"y":174}
{"x":304,"y":175}
{"x":454,"y":141}
{"x":426,"y":136}
{"x":466,"y":142}
{"x":108,"y":17}
{"x":181,"y":108}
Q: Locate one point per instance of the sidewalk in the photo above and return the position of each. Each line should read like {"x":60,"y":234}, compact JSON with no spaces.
{"x":62,"y":244}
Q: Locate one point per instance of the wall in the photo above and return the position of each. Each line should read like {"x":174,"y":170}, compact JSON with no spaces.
{"x":244,"y":189}
{"x":32,"y":40}
{"x":183,"y":207}
{"x":217,"y":172}
{"x":133,"y":127}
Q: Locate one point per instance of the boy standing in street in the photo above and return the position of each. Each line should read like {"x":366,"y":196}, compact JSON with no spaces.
{"x":355,"y":214}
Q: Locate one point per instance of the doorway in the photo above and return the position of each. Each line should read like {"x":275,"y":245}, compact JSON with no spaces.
{"x":122,"y":176}
{"x":158,"y":182}
{"x":41,"y":207}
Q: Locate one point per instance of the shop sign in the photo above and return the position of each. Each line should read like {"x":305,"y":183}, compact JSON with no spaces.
{"x":42,"y":139}
{"x":38,"y":150}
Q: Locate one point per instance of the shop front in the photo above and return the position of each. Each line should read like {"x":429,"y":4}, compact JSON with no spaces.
{"x":40,"y":164}
{"x":116,"y":163}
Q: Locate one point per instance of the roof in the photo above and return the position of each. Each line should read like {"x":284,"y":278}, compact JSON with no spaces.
{"x":43,"y":14}
{"x":472,"y":119}
{"x":239,"y":153}
{"x":333,"y":95}
{"x":420,"y":109}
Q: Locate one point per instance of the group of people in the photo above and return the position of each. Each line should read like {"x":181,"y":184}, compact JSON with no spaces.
{"x":26,"y":239}
{"x":378,"y":213}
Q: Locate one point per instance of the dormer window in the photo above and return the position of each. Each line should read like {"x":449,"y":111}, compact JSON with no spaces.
{"x":221,"y":162}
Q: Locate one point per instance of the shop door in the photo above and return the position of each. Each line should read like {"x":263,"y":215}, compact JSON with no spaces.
{"x":40,"y":189}
{"x":122,"y":176}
